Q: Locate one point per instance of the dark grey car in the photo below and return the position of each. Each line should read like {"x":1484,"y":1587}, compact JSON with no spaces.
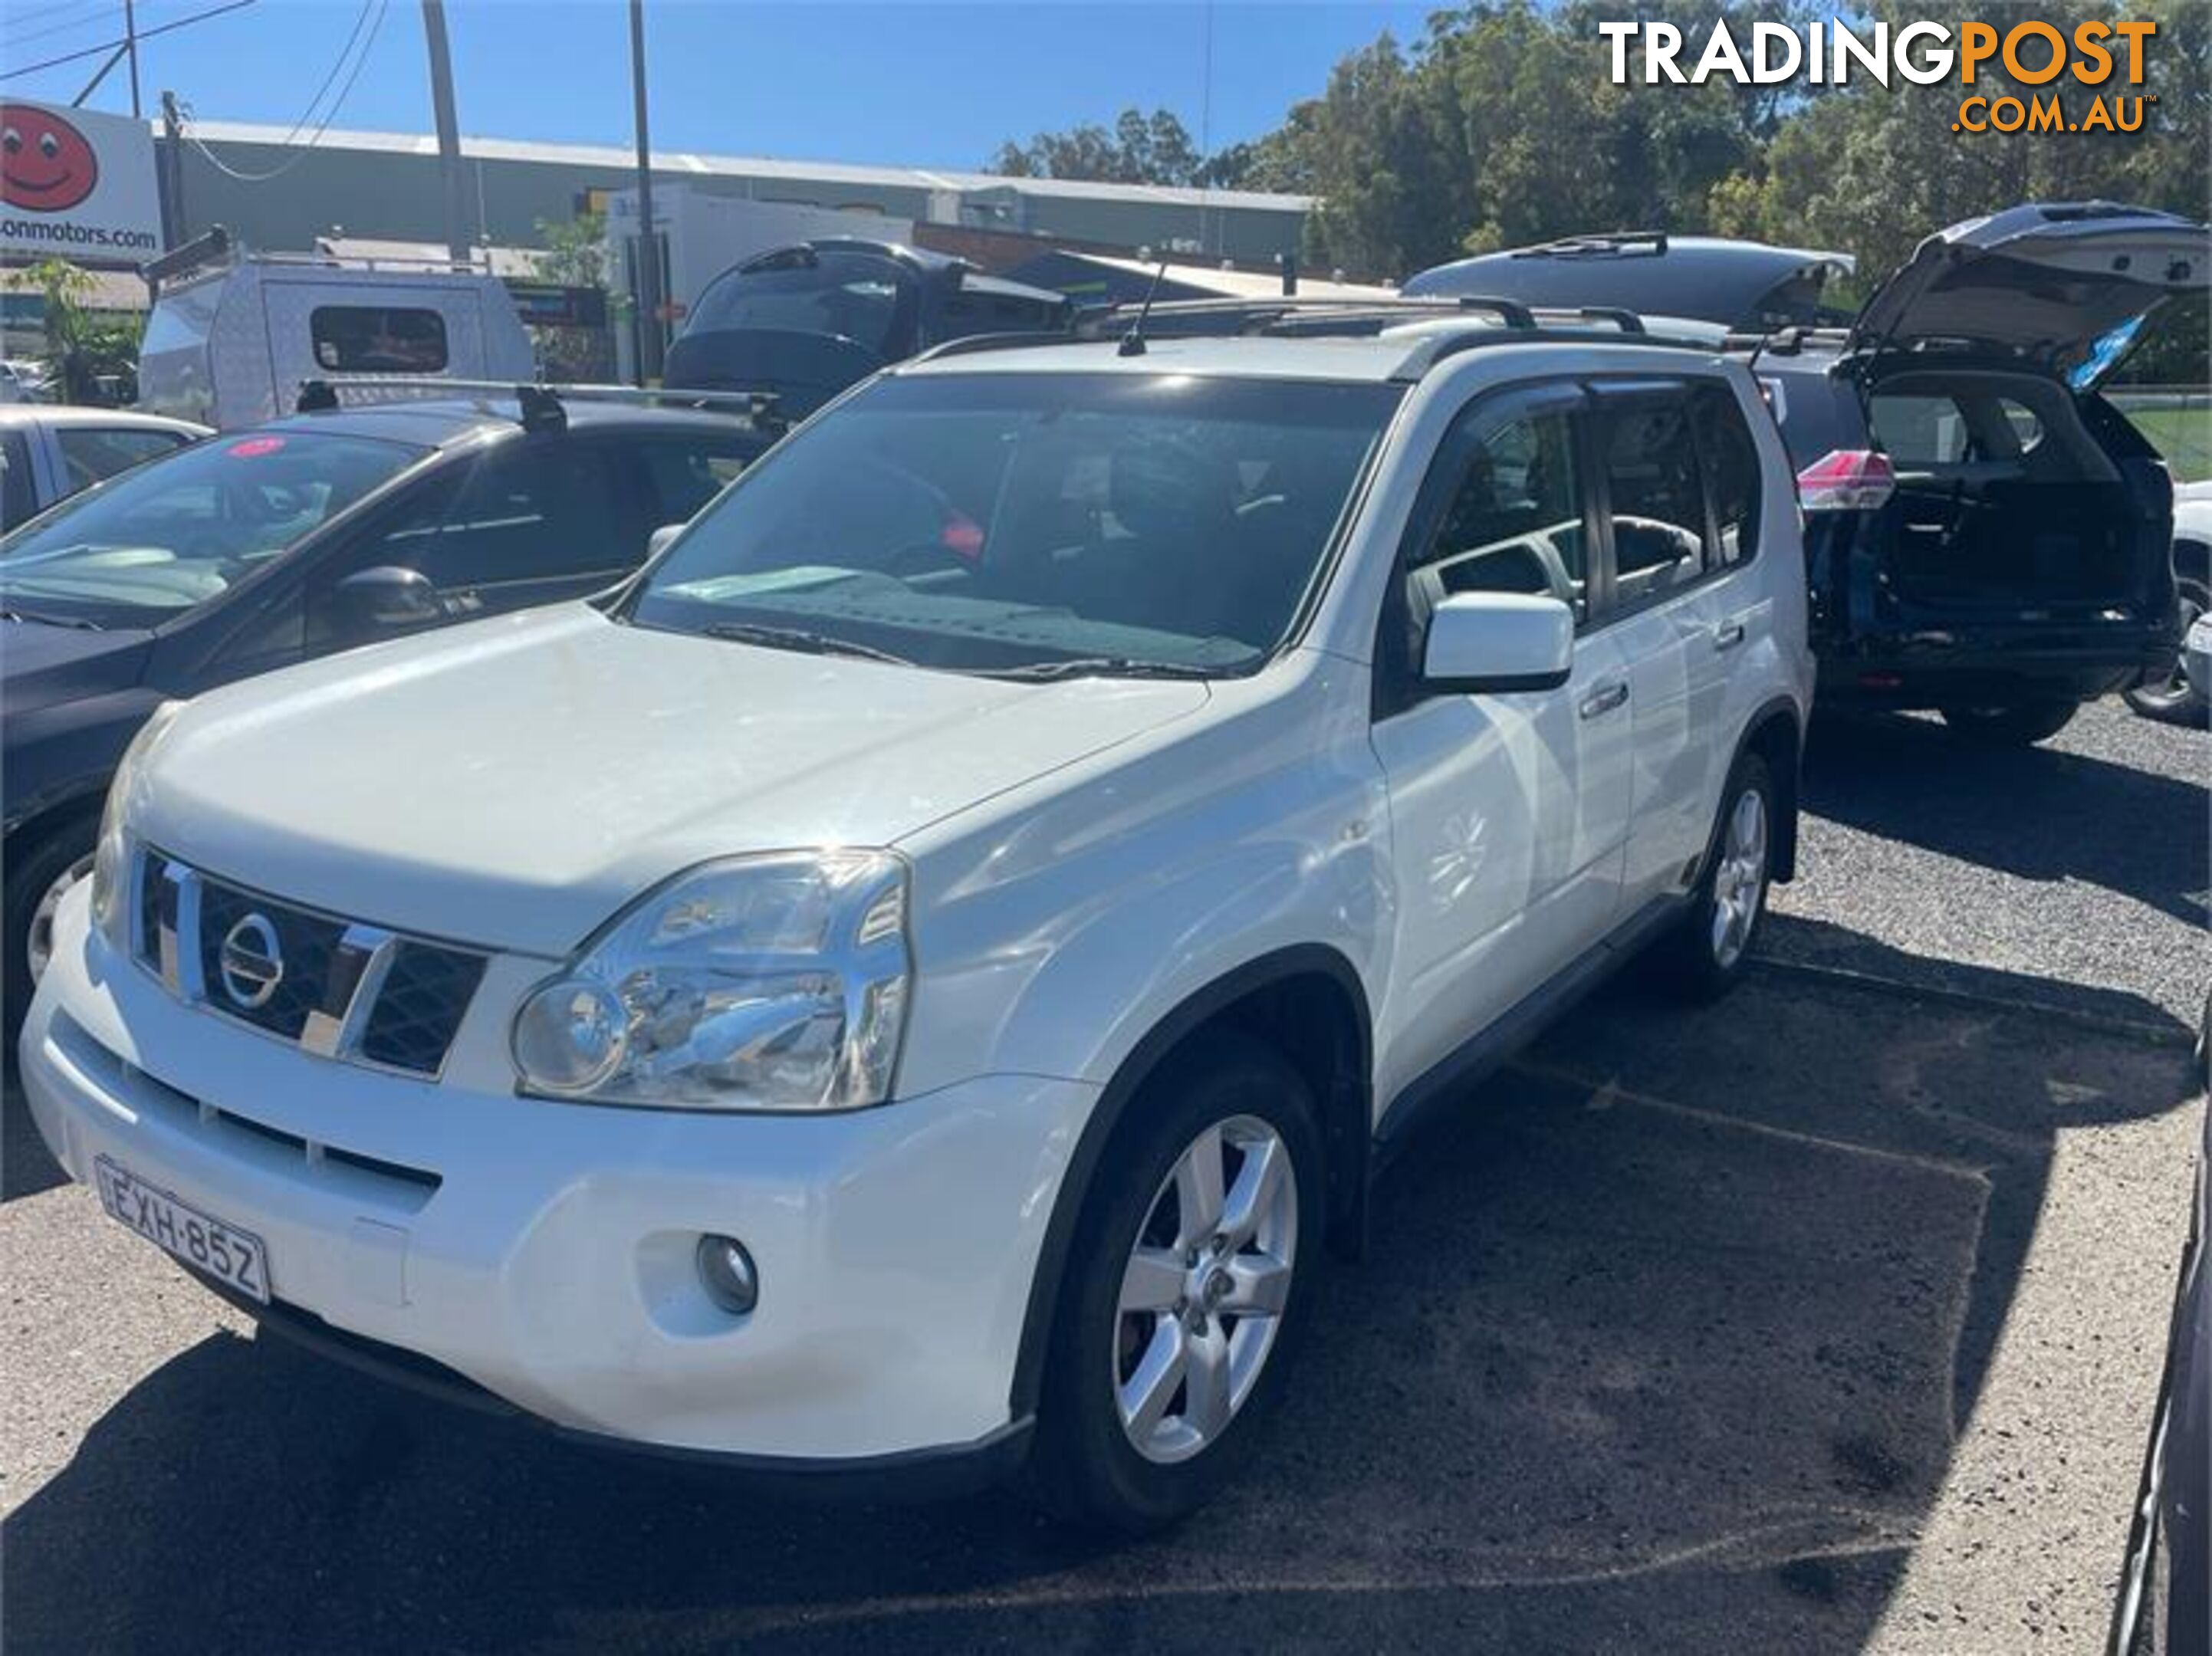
{"x":270,"y":546}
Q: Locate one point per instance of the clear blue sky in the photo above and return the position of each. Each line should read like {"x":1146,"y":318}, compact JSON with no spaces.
{"x":923,"y":84}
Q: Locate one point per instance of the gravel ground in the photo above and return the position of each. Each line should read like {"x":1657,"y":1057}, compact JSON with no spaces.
{"x":1823,"y":1320}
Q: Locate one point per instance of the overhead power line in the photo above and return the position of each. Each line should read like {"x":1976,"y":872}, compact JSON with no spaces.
{"x":372,"y":16}
{"x":92,"y":16}
{"x":110,"y":45}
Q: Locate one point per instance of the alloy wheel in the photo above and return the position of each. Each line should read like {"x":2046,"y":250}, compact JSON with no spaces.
{"x":1740,"y":878}
{"x":1203,"y":1292}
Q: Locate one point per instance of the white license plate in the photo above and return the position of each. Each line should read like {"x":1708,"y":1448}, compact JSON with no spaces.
{"x":224,"y":1252}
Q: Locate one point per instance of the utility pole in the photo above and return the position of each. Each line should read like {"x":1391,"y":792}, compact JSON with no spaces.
{"x":449,"y":135}
{"x":171,"y":175}
{"x":649,"y":339}
{"x":130,"y":44}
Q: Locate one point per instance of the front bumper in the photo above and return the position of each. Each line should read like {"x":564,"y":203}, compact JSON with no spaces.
{"x":543,"y":1251}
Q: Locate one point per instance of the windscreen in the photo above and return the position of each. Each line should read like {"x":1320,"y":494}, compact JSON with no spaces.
{"x":1021,"y":522}
{"x":852,"y":296}
{"x":175,"y":532}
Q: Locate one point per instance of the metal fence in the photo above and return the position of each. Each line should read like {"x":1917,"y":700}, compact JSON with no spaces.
{"x":2177,"y":421}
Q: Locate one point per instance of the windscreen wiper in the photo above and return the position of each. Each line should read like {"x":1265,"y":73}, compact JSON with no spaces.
{"x":1043,"y":672}
{"x":798,"y":637}
{"x":11,"y":613}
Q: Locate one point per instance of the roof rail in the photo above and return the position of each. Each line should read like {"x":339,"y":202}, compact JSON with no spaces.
{"x":1293,"y":318}
{"x":540,"y":404}
{"x":194,"y":255}
{"x":975,"y":343}
{"x":1438,"y":347}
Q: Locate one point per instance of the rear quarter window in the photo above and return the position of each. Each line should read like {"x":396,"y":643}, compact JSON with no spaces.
{"x":1817,"y":414}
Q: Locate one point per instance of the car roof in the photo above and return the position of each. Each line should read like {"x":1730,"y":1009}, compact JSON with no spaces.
{"x":447,"y":422}
{"x":1402,"y":351}
{"x":63,"y":414}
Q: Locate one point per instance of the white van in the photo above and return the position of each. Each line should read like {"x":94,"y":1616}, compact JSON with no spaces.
{"x":230,"y":346}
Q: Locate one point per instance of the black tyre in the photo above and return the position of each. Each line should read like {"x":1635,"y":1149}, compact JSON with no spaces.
{"x":2169,"y":696}
{"x":38,"y":870}
{"x":1183,"y":1289}
{"x":2020,"y":724}
{"x":1707,"y":952}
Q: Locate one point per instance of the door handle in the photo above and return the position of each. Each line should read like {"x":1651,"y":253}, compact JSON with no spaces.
{"x":1604,"y":699}
{"x":1728,"y":635}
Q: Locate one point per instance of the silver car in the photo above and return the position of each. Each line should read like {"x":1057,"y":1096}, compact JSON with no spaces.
{"x":47,"y":452}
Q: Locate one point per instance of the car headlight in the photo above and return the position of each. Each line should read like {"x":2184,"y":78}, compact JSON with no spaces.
{"x":775,"y":982}
{"x":111,"y":880}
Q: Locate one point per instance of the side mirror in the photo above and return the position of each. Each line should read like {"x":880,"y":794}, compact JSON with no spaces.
{"x":385,"y":599}
{"x":657,"y":542}
{"x":1490,"y":643}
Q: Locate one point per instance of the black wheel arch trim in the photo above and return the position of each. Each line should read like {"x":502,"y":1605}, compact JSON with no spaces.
{"x":1349,"y":1153}
{"x":80,"y":797}
{"x":1777,"y":708}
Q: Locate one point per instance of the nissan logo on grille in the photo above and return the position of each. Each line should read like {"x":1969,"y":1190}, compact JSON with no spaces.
{"x":251,"y":963}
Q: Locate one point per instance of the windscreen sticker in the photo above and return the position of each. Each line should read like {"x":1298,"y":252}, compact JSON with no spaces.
{"x":254,"y":447}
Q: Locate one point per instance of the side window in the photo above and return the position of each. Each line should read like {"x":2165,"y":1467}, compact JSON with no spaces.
{"x":92,"y":452}
{"x":684,"y":477}
{"x":18,"y":492}
{"x":530,"y":514}
{"x":377,"y":339}
{"x":1656,"y":498}
{"x":1514,"y":522}
{"x":1922,"y":430}
{"x":1731,"y":462}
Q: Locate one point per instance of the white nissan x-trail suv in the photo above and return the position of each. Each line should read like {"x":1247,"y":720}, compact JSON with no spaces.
{"x":916,"y":982}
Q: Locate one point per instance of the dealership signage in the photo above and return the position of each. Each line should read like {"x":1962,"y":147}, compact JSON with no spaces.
{"x":77,"y":185}
{"x":2099,"y":54}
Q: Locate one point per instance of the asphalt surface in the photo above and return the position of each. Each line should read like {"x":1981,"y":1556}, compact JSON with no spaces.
{"x":1826,"y":1320}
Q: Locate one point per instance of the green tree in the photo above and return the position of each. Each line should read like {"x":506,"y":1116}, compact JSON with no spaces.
{"x":576,"y":253}
{"x":92,"y":355}
{"x":1141,"y":149}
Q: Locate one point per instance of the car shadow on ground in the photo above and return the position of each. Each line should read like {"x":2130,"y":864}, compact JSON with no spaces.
{"x":2037,"y":813}
{"x":1663,"y":1344}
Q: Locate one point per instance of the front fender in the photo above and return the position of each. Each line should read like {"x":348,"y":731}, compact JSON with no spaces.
{"x":1052,"y":940}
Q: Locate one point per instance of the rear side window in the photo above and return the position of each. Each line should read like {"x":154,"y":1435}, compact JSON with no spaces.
{"x":378,"y":339}
{"x":19,"y":498}
{"x":1731,"y":467}
{"x":1655,"y":489}
{"x":92,"y":452}
{"x":1925,"y":430}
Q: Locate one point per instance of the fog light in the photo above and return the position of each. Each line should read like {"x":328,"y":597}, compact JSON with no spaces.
{"x":725,"y":1272}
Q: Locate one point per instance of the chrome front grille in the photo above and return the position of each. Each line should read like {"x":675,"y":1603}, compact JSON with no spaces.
{"x":356,"y":993}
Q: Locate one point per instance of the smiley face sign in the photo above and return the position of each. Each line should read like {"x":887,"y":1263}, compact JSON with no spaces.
{"x":47,"y":166}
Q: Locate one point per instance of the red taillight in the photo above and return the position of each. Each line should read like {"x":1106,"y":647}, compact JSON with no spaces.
{"x":1847,"y":479}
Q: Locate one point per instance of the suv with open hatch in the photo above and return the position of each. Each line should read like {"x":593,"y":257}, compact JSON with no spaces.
{"x":1987,"y":534}
{"x":913,"y":984}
